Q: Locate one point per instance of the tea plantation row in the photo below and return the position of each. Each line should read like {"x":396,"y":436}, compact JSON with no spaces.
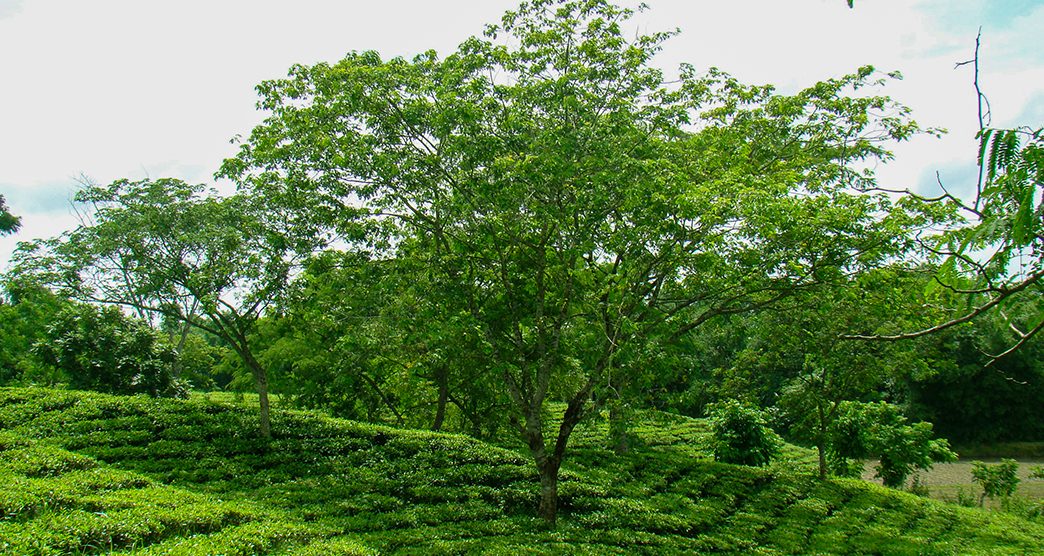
{"x":92,"y":473}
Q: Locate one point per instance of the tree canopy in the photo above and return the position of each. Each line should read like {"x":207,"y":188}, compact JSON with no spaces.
{"x":164,"y":248}
{"x":575,"y":199}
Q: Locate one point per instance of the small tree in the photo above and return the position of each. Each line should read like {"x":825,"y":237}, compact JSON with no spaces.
{"x":997,"y":481}
{"x":165,"y":248}
{"x":867,"y":430}
{"x":800,"y":348}
{"x":106,"y":351}
{"x":741,"y":434}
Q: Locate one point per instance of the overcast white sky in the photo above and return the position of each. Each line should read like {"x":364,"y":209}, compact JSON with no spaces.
{"x":134,"y":88}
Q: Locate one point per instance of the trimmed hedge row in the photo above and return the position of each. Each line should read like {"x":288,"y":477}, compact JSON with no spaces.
{"x":332,"y":486}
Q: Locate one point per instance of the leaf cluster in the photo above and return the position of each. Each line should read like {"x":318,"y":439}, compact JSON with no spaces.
{"x":998,"y":480}
{"x":742,"y":435}
{"x":867,"y":430}
{"x":104,"y":350}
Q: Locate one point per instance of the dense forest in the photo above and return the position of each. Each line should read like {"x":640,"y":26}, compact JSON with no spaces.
{"x":543,"y":244}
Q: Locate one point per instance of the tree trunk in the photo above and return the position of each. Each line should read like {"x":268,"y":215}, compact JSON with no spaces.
{"x":822,"y":460}
{"x":261,"y":378}
{"x":179,"y":350}
{"x":261,"y":382}
{"x":186,"y":328}
{"x":440,"y":411}
{"x":388,"y":401}
{"x":549,"y":492}
{"x":618,"y":438}
{"x":547,"y":465}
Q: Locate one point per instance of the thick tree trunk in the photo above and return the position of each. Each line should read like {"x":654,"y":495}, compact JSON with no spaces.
{"x":549,"y":492}
{"x":547,"y":465}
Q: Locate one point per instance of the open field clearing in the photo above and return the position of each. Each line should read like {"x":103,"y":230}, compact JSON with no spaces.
{"x":946,"y":481}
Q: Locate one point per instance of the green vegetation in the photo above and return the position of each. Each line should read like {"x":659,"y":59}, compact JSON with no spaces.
{"x":106,"y":351}
{"x":879,"y":430}
{"x":997,"y":481}
{"x":742,"y":435}
{"x":90,"y":473}
{"x":9,"y":223}
{"x":548,"y":243}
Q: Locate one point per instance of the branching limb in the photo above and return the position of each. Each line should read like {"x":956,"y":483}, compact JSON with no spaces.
{"x":1004,"y":294}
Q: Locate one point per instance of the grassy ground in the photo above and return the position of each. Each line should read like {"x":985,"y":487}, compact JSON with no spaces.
{"x":89,"y":473}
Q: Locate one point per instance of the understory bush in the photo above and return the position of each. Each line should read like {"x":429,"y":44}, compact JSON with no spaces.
{"x":997,"y":481}
{"x":102,"y":349}
{"x":741,"y":434}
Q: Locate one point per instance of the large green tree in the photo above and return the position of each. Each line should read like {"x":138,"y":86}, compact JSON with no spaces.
{"x":575,"y":199}
{"x":176,"y":251}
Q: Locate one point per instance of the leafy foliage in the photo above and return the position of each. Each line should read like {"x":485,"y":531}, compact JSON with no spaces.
{"x":1001,"y":402}
{"x":997,"y":481}
{"x":103,"y":350}
{"x":25,"y":315}
{"x":9,"y":223}
{"x":866,"y":430}
{"x":742,"y":434}
{"x":1014,"y":176}
{"x":794,"y":356}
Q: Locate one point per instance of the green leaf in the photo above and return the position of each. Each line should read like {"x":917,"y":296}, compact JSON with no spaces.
{"x":984,"y":143}
{"x":1022,"y":227}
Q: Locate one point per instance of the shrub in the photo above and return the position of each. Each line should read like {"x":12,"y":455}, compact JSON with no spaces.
{"x":864,"y":430}
{"x":741,"y":434}
{"x":106,"y":351}
{"x":997,"y":481}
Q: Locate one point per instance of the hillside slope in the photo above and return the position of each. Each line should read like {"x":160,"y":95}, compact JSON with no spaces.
{"x":91,"y":473}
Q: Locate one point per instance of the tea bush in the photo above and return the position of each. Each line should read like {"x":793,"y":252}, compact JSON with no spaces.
{"x":190,"y":477}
